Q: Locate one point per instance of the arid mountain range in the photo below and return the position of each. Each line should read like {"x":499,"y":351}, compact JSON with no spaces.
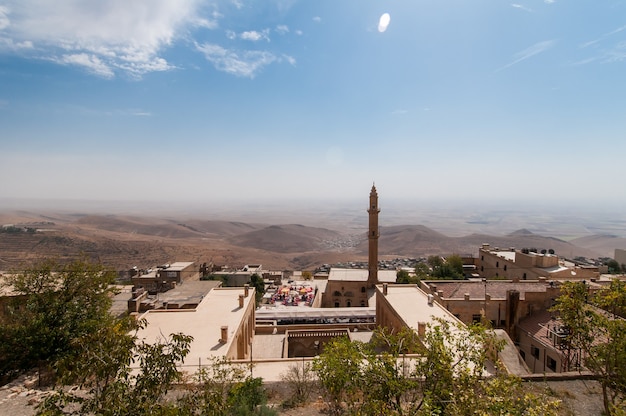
{"x":123,"y":241}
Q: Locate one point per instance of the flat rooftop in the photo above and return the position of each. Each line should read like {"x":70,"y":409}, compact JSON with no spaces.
{"x":179,"y":266}
{"x":477,"y":289}
{"x":411,"y":305}
{"x":220,"y":307}
{"x":360,"y":275}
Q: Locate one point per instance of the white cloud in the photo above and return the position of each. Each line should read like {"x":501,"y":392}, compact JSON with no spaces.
{"x":282,"y":29}
{"x":8,"y":44}
{"x":549,"y":1}
{"x":521,"y":7}
{"x":140,"y":113}
{"x":290,"y":59}
{"x":91,"y":62}
{"x":245,"y":63}
{"x":4,"y":17}
{"x":604,"y":36}
{"x":107,"y":36}
{"x":529,"y":52}
{"x":299,"y":32}
{"x":317,"y":19}
{"x":617,"y":54}
{"x":255,"y":36}
{"x":251,"y":35}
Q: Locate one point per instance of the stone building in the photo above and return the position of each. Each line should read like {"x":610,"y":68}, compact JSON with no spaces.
{"x":166,"y":277}
{"x":503,"y":303}
{"x":222,"y":325}
{"x":348,"y":288}
{"x":496,"y":263}
{"x":354,"y":287}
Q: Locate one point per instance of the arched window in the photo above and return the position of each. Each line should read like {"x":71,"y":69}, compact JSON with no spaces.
{"x":505,"y":267}
{"x":362,"y":303}
{"x":349,"y":294}
{"x":524,"y":276}
{"x":336,"y":293}
{"x":362,"y":289}
{"x":348,"y":303}
{"x":336,"y":304}
{"x":497,"y":264}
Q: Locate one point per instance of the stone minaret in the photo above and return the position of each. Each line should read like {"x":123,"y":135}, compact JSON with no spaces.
{"x":372,"y":236}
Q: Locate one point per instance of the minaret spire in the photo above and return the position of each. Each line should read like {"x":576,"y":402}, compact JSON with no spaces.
{"x":372,"y":235}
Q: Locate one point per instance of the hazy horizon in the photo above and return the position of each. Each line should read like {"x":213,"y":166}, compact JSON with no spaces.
{"x":453,"y":218}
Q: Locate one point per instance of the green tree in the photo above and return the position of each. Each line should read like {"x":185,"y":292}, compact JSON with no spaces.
{"x":257,"y":283}
{"x":448,"y":268}
{"x":224,"y":388}
{"x":434,"y":261}
{"x":456,"y":264}
{"x":595,"y":329}
{"x":403,"y":277}
{"x":338,"y":370}
{"x":613,"y":266}
{"x":123,"y":376}
{"x":446,"y":377}
{"x":55,"y":305}
{"x":422,"y":271}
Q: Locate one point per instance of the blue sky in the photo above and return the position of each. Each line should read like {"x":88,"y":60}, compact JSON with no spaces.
{"x":201,"y":100}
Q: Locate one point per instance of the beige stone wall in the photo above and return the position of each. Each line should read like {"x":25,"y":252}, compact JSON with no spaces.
{"x":240,"y":347}
{"x":527,"y":267}
{"x":539,"y":357}
{"x":536,"y":260}
{"x":492,"y":266}
{"x":343,"y":294}
{"x":620,"y":256}
{"x":386,"y":316}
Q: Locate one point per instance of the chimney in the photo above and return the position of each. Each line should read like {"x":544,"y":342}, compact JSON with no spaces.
{"x":433,"y":288}
{"x":421,"y":329}
{"x":385,"y":289}
{"x":224,"y":334}
{"x":440,"y":293}
{"x":246,"y":288}
{"x":487,"y":296}
{"x":466,"y":296}
{"x":430,"y":299}
{"x":241,"y":298}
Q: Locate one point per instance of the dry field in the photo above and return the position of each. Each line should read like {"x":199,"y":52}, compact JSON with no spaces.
{"x":124,"y":241}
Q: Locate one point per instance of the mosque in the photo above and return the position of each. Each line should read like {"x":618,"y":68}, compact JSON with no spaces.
{"x":355,"y":287}
{"x":350,"y":303}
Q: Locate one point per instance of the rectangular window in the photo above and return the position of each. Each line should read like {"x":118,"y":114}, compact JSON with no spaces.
{"x":534,"y":351}
{"x":476,"y":318}
{"x":551,"y":363}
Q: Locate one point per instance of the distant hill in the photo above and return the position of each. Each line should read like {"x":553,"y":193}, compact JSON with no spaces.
{"x":603,"y":244}
{"x":291,"y":238}
{"x":124,"y":241}
{"x":420,"y":241}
